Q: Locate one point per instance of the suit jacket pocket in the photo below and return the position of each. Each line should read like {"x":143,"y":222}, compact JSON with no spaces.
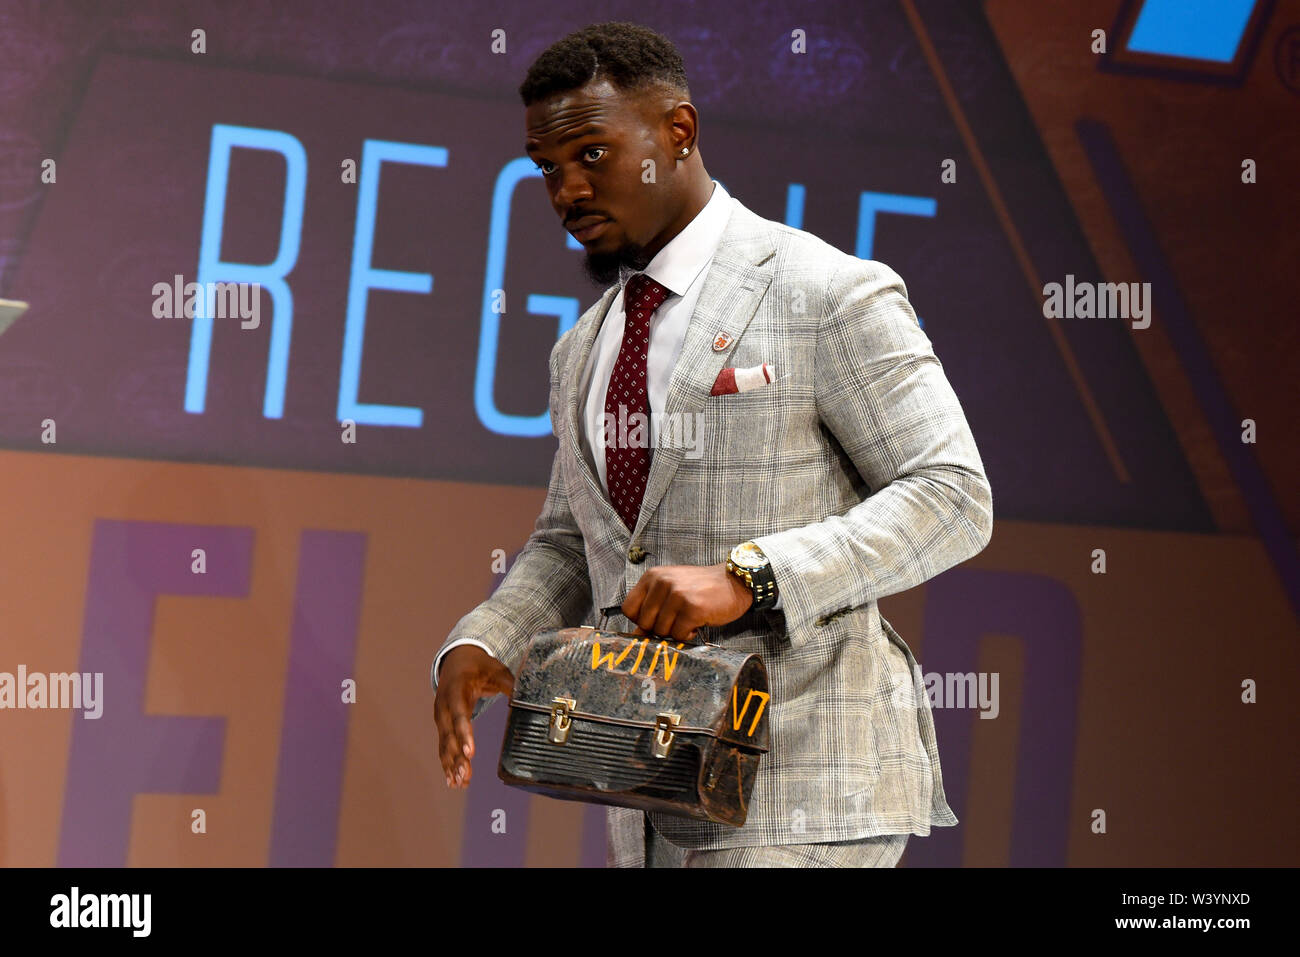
{"x":762,"y":395}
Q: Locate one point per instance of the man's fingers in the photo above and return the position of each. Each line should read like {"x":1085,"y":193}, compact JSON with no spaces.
{"x":684,"y":627}
{"x":464,"y":750}
{"x":464,"y":737}
{"x":447,"y":753}
{"x":648,"y":614}
{"x":689,"y":619}
{"x":446,"y":735}
{"x":664,"y":622}
{"x":452,"y":709}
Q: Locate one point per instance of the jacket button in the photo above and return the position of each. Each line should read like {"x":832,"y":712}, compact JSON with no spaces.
{"x":636,"y":554}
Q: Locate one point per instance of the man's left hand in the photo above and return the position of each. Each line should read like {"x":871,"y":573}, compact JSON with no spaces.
{"x":672,"y":601}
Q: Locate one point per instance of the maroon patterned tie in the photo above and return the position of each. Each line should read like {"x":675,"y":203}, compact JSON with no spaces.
{"x":627,"y":464}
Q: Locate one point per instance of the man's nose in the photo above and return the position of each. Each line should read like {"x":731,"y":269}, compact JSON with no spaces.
{"x":573,"y":189}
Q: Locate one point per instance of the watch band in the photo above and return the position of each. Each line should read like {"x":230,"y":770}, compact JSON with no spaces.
{"x":763,"y":584}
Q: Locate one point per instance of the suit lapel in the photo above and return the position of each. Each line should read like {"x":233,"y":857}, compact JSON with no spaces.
{"x":572,"y":408}
{"x":737,"y":279}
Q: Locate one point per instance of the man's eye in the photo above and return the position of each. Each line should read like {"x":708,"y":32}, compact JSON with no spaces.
{"x":542,"y":166}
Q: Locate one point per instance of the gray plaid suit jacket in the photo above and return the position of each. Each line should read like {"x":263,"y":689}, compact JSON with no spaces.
{"x":856,"y":473}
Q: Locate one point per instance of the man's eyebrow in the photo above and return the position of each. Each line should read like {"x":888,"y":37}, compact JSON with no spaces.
{"x":588,"y":130}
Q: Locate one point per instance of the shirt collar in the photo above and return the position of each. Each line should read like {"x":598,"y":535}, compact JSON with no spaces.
{"x":676,"y":266}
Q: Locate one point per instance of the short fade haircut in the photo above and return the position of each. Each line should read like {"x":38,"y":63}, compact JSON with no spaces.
{"x":630,"y":56}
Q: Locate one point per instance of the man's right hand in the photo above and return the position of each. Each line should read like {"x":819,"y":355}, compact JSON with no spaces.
{"x":467,"y":674}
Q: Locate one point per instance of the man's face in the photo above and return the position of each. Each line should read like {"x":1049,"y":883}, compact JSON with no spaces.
{"x":591,"y":144}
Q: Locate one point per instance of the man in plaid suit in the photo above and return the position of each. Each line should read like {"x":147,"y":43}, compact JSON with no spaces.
{"x":831,"y":461}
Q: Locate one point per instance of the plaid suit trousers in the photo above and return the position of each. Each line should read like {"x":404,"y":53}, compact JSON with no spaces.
{"x":633,"y":842}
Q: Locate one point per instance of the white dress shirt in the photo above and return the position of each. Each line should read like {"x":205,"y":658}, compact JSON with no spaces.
{"x":680,"y":267}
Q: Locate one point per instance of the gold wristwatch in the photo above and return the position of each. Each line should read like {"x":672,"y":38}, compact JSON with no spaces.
{"x":750,"y":565}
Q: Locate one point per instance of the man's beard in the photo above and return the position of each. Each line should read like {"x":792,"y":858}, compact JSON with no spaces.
{"x":603,"y":268}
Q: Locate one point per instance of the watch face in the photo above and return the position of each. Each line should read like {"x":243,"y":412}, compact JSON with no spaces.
{"x":748,"y":556}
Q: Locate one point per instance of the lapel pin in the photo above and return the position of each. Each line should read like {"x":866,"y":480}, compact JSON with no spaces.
{"x":721,"y":341}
